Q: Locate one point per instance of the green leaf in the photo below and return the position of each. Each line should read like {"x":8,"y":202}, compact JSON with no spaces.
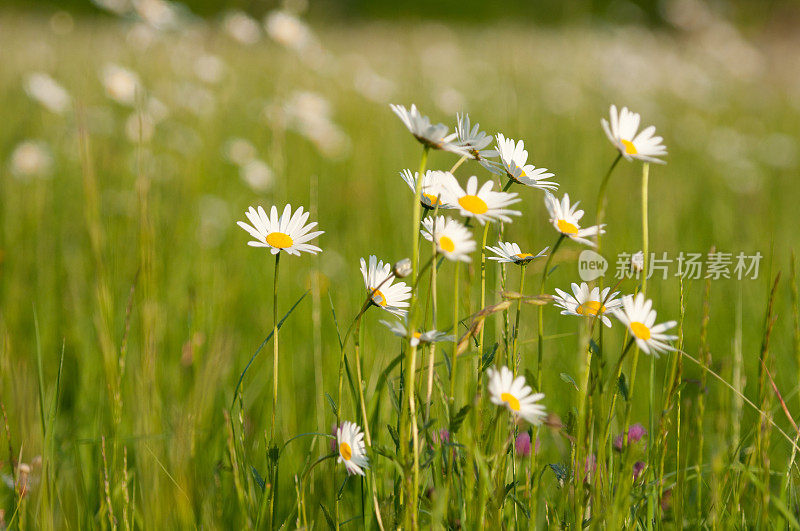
{"x":259,"y":480}
{"x":332,"y":403}
{"x":458,"y":419}
{"x":488,"y":357}
{"x":567,"y":378}
{"x":560,"y":471}
{"x":623,"y":386}
{"x":331,"y":523}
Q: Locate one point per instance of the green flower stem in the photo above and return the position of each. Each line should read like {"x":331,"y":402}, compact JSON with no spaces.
{"x":274,"y":379}
{"x":432,"y":348}
{"x":457,"y":164}
{"x":601,"y":197}
{"x":411,"y":479}
{"x":540,"y":324}
{"x":514,"y":360}
{"x":455,"y":340}
{"x":483,"y":300}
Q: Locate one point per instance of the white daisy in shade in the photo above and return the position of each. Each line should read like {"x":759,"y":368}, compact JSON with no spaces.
{"x":352,"y":451}
{"x":287,"y":232}
{"x":622,"y":132}
{"x":378,"y":278}
{"x":587,"y":302}
{"x":431,"y":187}
{"x":514,"y":158}
{"x":505,"y":390}
{"x":475,"y":141}
{"x":431,"y":336}
{"x":566,"y":219}
{"x":511,"y":253}
{"x":434,"y":136}
{"x":482,"y":204}
{"x":453,"y":239}
{"x":638,"y":315}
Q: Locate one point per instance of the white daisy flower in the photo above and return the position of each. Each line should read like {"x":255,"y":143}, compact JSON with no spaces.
{"x":431,"y":187}
{"x":476,"y":141}
{"x":351,"y":448}
{"x":453,"y":239}
{"x":565,"y":218}
{"x":622,"y":133}
{"x":509,"y":252}
{"x":638,"y":315}
{"x":431,"y":336}
{"x":505,"y":390}
{"x":514,"y":158}
{"x":434,"y":136}
{"x":484,"y":204}
{"x":378,"y":277}
{"x":287,"y":232}
{"x":587,"y":302}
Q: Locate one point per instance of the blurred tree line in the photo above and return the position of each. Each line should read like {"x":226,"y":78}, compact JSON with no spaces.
{"x":538,"y":12}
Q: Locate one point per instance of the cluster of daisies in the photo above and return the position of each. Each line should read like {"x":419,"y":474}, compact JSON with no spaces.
{"x":505,"y":158}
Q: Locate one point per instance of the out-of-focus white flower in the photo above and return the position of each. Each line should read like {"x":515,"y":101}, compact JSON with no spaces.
{"x":31,"y":158}
{"x":209,"y":68}
{"x":288,"y":30}
{"x":372,"y":85}
{"x":158,"y":13}
{"x":120,"y":83}
{"x":242,"y":27}
{"x":47,"y":91}
{"x":156,"y":109}
{"x":637,"y":261}
{"x":239,"y":151}
{"x":117,"y":7}
{"x":309,"y":114}
{"x":62,"y":23}
{"x":257,"y":175}
{"x":214,"y":219}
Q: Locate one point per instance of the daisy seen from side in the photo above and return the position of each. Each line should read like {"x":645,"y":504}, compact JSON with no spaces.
{"x":510,"y":252}
{"x":514,"y":159}
{"x":351,"y":448}
{"x":638,"y":315}
{"x":587,"y":302}
{"x":514,"y":394}
{"x":623,"y":132}
{"x":378,"y":279}
{"x":566,"y":219}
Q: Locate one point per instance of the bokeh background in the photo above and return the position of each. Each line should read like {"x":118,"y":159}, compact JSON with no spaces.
{"x":135,"y":135}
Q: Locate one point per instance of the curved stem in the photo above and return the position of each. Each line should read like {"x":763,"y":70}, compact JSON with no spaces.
{"x":540,"y":324}
{"x":514,"y":360}
{"x":483,"y":299}
{"x":601,"y":196}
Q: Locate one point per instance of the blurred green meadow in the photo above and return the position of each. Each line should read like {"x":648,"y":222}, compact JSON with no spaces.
{"x":130,"y":303}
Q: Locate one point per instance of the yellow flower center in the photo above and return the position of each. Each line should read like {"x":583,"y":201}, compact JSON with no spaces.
{"x":279,"y":240}
{"x":416,"y":335}
{"x":591,"y":308}
{"x":378,"y":298}
{"x":630,"y":149}
{"x":474,"y":204}
{"x":523,"y":256}
{"x":447,"y":244}
{"x":511,"y":400}
{"x":345,"y":451}
{"x":640,"y":331}
{"x":432,"y":199}
{"x":567,"y":228}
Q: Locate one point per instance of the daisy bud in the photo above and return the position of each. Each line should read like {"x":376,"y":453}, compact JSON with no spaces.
{"x":402,"y":268}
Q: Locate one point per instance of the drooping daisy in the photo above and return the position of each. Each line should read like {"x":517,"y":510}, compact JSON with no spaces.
{"x":565,"y":218}
{"x":622,"y":133}
{"x":587,"y":302}
{"x":378,"y":277}
{"x":510,"y":252}
{"x":452,"y":238}
{"x":434,"y":136}
{"x":505,"y":390}
{"x":431,"y":187}
{"x":514,"y":158}
{"x":476,"y":141}
{"x":287,"y":232}
{"x":484,"y":204}
{"x":352,"y":451}
{"x":638,"y":315}
{"x":431,"y":336}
